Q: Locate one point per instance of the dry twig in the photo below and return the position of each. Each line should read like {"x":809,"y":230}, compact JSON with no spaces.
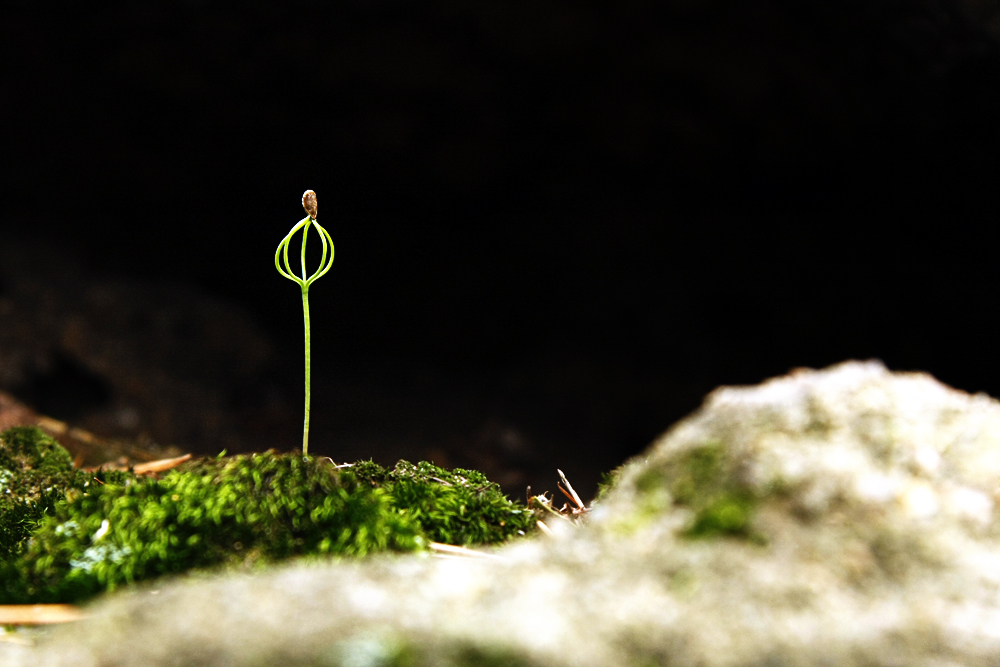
{"x":574,"y":497}
{"x":144,"y":468}
{"x":571,"y":512}
{"x":160,"y":466}
{"x":39,"y":614}
{"x":452,"y":551}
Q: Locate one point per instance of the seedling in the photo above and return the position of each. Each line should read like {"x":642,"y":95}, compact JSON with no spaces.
{"x":309,"y":204}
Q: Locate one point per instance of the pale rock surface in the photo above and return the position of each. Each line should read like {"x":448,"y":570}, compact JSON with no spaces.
{"x":872,"y":540}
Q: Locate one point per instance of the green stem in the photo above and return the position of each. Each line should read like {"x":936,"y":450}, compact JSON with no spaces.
{"x":305,"y":426}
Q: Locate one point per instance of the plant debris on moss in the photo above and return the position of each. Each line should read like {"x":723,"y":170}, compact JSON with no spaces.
{"x":69,"y":534}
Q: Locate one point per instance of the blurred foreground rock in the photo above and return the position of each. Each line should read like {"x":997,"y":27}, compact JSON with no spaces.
{"x":837,"y":517}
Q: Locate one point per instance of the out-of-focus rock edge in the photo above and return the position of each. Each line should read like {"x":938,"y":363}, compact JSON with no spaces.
{"x":837,"y":517}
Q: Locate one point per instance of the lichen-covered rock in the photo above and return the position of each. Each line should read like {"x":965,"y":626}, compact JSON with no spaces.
{"x":839,"y":517}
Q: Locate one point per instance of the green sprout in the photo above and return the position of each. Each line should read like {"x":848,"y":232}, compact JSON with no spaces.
{"x":309,"y":204}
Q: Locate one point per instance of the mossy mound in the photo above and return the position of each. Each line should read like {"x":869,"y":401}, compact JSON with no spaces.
{"x":35,"y":474}
{"x":95,"y":534}
{"x":452,"y":506}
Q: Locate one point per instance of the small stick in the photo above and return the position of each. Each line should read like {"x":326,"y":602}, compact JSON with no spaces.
{"x":545,"y":529}
{"x":39,"y":614}
{"x":82,"y":436}
{"x":566,"y":493}
{"x":453,"y":550}
{"x":575,"y":498}
{"x":159,"y":466}
{"x":144,"y":468}
{"x":52,"y":425}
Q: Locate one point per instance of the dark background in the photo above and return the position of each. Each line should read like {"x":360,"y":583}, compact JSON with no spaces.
{"x":558,"y":224}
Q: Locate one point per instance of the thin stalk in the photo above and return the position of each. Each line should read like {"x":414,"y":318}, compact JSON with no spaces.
{"x":305,"y":315}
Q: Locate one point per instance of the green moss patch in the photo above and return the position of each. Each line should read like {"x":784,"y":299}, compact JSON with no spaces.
{"x":700,"y":479}
{"x":726,"y":514}
{"x":452,"y":506}
{"x":35,"y":474}
{"x":698,"y":474}
{"x":399,"y":652}
{"x":27,"y":448}
{"x":90,"y":533}
{"x":609,"y":480}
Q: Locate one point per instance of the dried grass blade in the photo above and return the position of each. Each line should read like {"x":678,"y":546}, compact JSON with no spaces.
{"x":160,"y":466}
{"x":575,"y":498}
{"x":452,"y":550}
{"x":39,"y":614}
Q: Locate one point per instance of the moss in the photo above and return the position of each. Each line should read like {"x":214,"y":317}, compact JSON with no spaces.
{"x":390,"y":651}
{"x":452,"y":506}
{"x":699,"y":473}
{"x":700,"y":479}
{"x":28,"y":448}
{"x":490,"y":656}
{"x":91,"y":533}
{"x":35,"y":474}
{"x":727,"y":514}
{"x":609,"y":480}
{"x":235,"y":511}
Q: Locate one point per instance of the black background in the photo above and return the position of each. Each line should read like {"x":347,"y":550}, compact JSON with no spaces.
{"x":573,"y":217}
